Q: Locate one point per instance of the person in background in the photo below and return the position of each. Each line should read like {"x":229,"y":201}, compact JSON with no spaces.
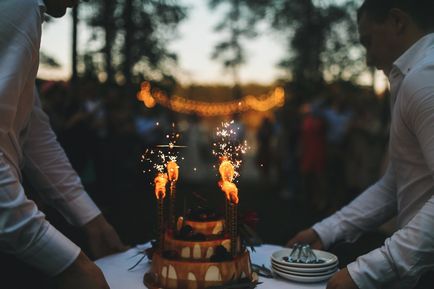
{"x":398,"y":38}
{"x":28,"y":147}
{"x":313,"y":158}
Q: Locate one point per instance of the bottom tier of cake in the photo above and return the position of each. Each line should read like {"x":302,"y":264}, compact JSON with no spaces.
{"x":179,"y":274}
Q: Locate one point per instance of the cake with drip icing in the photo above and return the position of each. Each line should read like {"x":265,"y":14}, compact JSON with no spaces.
{"x":197,"y":255}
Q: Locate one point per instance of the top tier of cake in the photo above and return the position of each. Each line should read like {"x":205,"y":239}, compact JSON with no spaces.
{"x":207,"y":227}
{"x":206,"y":238}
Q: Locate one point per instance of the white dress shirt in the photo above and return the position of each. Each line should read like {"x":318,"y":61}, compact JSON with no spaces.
{"x":406,"y":189}
{"x":28,"y":144}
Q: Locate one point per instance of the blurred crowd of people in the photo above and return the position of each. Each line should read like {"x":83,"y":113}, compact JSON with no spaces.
{"x":326,"y":148}
{"x":320,"y":151}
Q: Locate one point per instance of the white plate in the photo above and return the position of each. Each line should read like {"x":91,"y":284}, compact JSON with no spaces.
{"x":299,"y":270}
{"x":303,"y":279}
{"x":327,"y":257}
{"x":309,"y":274}
{"x":304,"y":269}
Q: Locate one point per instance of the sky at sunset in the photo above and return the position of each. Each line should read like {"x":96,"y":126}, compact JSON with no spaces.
{"x":194,"y":47}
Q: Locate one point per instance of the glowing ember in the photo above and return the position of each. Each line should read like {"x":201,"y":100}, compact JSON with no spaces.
{"x":230,"y":190}
{"x":173,"y":171}
{"x":227,"y":171}
{"x":160,"y":185}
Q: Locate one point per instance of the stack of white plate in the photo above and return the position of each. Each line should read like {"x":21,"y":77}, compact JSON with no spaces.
{"x":304,"y":272}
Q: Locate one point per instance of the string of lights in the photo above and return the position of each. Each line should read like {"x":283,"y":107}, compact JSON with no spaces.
{"x":151,"y":96}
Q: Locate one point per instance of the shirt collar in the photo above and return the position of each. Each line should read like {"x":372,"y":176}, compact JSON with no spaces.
{"x":412,"y":55}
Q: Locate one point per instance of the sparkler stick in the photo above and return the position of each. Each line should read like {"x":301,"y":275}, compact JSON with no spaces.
{"x":234,"y":228}
{"x":160,"y":224}
{"x":173,"y":173}
{"x":227,"y":216}
{"x":229,"y":151}
{"x":160,"y":193}
{"x":227,"y":172}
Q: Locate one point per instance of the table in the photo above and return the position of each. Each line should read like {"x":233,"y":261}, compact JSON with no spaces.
{"x":115,"y":269}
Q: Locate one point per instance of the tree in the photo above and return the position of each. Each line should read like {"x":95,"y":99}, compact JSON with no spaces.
{"x":132,"y":36}
{"x":321,"y":36}
{"x":320,"y":32}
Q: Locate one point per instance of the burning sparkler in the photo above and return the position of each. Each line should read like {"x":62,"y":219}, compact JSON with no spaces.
{"x":231,"y":191}
{"x":164,"y":157}
{"x":160,"y":193}
{"x":229,"y":153}
{"x":173,"y":173}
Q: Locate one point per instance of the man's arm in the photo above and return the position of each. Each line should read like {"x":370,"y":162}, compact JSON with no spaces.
{"x":410,"y":251}
{"x":50,"y":172}
{"x":25,"y":233}
{"x":405,"y":255}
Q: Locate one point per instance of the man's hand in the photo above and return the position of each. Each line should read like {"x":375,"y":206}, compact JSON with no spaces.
{"x":83,"y":273}
{"x":102,"y":238}
{"x":342,"y":280}
{"x":308,"y":236}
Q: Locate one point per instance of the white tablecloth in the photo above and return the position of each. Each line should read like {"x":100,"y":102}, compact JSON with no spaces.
{"x":115,"y":269}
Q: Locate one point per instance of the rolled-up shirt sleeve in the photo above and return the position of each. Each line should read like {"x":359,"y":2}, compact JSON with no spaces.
{"x":372,"y":208}
{"x":24,"y":231}
{"x":49,"y":170}
{"x":404,"y":256}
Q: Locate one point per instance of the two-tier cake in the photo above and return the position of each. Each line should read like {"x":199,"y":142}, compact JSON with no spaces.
{"x":199,"y":250}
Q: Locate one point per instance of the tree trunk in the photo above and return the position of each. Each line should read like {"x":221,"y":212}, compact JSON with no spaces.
{"x":110,"y":32}
{"x":129,"y":30}
{"x":74,"y":76}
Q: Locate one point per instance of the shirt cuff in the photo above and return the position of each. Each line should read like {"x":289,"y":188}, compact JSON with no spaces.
{"x":80,"y":210}
{"x":52,"y":253}
{"x":326,"y":231}
{"x":372,"y":271}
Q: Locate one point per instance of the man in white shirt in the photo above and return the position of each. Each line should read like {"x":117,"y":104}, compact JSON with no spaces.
{"x":398,"y":38}
{"x":28,"y":145}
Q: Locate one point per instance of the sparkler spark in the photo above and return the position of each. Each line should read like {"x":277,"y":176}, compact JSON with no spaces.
{"x":170,"y":145}
{"x":228,"y":146}
{"x":163,"y":153}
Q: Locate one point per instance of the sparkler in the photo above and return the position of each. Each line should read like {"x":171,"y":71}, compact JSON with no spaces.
{"x":163,"y":157}
{"x":160,"y":193}
{"x":231,"y":192}
{"x":173,"y":173}
{"x":229,"y":153}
